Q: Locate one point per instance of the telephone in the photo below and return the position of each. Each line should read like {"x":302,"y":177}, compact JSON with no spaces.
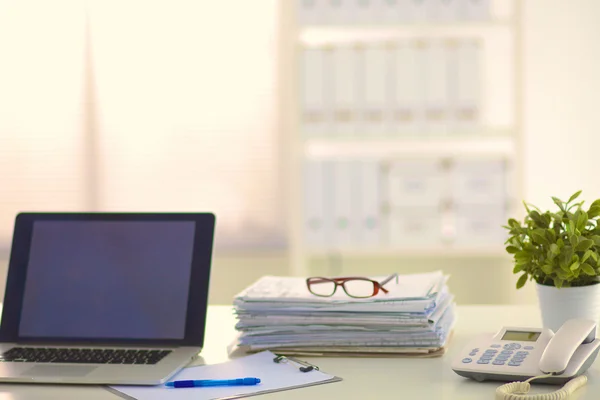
{"x":516,"y":354}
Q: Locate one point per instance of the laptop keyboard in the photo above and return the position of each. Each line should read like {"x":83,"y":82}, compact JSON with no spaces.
{"x":83,"y":356}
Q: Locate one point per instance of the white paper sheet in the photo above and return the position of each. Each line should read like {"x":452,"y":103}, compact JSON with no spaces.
{"x":273,"y":376}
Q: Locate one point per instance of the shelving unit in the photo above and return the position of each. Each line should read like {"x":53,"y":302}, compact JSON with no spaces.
{"x":500,"y":135}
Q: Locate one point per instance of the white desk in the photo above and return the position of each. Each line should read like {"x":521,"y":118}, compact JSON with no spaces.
{"x":364,"y":378}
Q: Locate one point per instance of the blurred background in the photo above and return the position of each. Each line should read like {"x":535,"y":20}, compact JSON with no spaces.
{"x":330,"y":137}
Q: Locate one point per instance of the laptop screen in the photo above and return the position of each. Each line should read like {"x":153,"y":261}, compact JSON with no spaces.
{"x":94,"y":279}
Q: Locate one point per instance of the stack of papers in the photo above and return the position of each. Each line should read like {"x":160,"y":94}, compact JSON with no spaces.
{"x":415,"y":317}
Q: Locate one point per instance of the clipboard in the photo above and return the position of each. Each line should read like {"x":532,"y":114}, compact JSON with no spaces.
{"x":277,"y":373}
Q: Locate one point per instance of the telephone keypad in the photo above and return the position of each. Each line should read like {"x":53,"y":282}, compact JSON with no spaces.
{"x":507,"y":356}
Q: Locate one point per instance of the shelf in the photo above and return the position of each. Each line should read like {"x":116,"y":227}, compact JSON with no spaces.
{"x":365,"y":147}
{"x":424,"y":252}
{"x":323,"y":34}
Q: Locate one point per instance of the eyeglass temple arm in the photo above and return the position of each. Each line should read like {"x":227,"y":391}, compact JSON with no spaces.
{"x":389,"y":278}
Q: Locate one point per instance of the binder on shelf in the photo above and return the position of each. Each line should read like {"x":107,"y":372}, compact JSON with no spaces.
{"x":346,"y":61}
{"x":417,"y":10}
{"x":338,"y":12}
{"x":436,"y":87}
{"x":344,"y":197}
{"x":389,"y":11}
{"x":315,"y":92}
{"x":362,"y":11}
{"x":317,"y":215}
{"x":376,"y":79}
{"x":407,"y":103}
{"x":475,"y":10}
{"x":369,"y":191}
{"x":311,"y":12}
{"x":442,"y":10}
{"x":466,"y":85}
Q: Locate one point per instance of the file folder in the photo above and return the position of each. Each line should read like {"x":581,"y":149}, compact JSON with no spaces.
{"x":409,"y":87}
{"x":369,"y":181}
{"x":317,"y":220}
{"x":474,"y":9}
{"x":345,"y":75}
{"x":467,"y":85}
{"x":345,"y":204}
{"x":314,"y":91}
{"x":436,"y":87}
{"x":376,"y":81}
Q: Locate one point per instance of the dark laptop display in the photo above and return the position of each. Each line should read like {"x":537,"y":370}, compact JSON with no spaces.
{"x":98,"y":279}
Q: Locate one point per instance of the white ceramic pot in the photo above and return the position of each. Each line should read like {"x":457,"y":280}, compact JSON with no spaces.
{"x":558,"y":305}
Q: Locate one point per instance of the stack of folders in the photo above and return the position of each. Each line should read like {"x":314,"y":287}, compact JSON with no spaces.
{"x":415,"y":318}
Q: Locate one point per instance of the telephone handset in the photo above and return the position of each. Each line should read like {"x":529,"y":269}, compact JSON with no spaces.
{"x":565,"y":343}
{"x":517,"y":354}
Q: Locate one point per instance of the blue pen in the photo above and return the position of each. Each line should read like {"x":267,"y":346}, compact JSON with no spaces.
{"x":213,"y":382}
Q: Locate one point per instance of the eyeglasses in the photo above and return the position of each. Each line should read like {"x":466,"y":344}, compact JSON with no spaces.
{"x":357,"y":287}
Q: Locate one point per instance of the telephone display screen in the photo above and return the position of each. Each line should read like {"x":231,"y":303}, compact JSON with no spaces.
{"x":521,"y":336}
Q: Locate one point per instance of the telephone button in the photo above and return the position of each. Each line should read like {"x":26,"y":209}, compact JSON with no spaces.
{"x":473,"y":353}
{"x":486,"y":358}
{"x":490,"y":352}
{"x":514,"y":363}
{"x":528,"y":348}
{"x":502,"y":358}
{"x":498,"y":362}
{"x":506,"y":352}
{"x":516,"y":346}
{"x":483,"y":361}
{"x":522,"y":353}
{"x":467,"y":360}
{"x":475,"y":350}
{"x":495,"y":346}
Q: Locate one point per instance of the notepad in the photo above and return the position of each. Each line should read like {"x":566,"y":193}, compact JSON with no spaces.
{"x":274,"y":377}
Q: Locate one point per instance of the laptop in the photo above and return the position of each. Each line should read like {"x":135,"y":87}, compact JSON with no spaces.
{"x":105,"y":298}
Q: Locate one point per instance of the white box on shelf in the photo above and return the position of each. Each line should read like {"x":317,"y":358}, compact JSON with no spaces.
{"x":369,"y":228}
{"x":475,"y":182}
{"x":344,"y":203}
{"x":315,"y":77}
{"x":376,"y":110}
{"x":475,"y":10}
{"x":318,"y":221}
{"x":481,"y":225}
{"x":466,"y":84}
{"x":442,"y":10}
{"x":346,"y":63}
{"x":416,"y":183}
{"x":415,"y":227}
{"x":408,"y":101}
{"x":437,"y":98}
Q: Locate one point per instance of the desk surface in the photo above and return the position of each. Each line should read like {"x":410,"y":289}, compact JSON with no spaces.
{"x":389,"y":377}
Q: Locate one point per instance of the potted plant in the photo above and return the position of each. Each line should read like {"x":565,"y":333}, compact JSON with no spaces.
{"x":560,"y":251}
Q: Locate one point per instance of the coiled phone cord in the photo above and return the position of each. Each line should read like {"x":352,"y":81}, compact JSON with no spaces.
{"x":518,"y":390}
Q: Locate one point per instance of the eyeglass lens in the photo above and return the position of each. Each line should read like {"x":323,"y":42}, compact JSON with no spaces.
{"x":354,"y":287}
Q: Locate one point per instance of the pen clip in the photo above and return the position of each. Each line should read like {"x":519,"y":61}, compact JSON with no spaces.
{"x":304,"y":366}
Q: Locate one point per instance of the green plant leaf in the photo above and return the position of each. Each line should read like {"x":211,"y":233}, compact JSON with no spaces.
{"x":558,"y":282}
{"x":539,"y":235}
{"x":584,"y":245}
{"x":587,"y":255}
{"x":554,"y":249}
{"x":559,"y":203}
{"x":596,"y":239}
{"x":587,"y":269}
{"x":521,"y":281}
{"x":594,"y":211}
{"x":582,"y":220}
{"x":547,"y":268}
{"x":562,"y":274}
{"x":574,"y":196}
{"x":517,"y":269}
{"x":512,"y":249}
{"x":574,"y":266}
{"x":573,"y":240}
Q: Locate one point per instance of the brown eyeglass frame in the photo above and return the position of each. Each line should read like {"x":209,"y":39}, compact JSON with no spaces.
{"x":340,"y":281}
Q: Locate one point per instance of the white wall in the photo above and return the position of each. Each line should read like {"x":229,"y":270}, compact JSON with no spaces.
{"x":562,"y":97}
